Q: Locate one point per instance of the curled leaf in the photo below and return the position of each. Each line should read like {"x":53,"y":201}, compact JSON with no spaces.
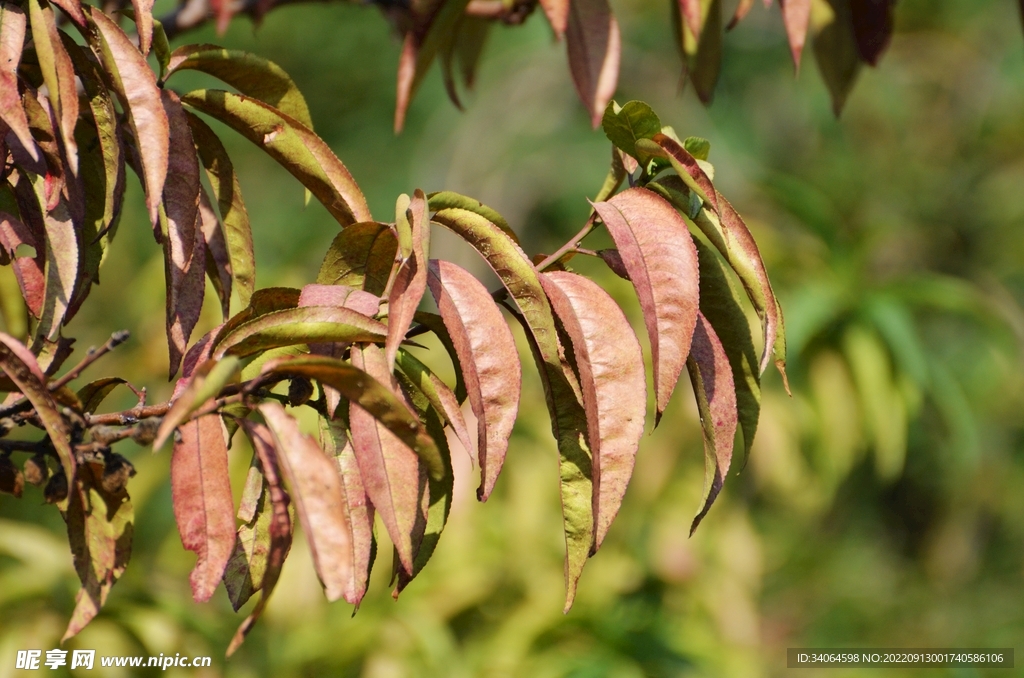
{"x":445,"y":199}
{"x":298,"y":326}
{"x":489,"y":360}
{"x":411,"y":279}
{"x":611,"y":371}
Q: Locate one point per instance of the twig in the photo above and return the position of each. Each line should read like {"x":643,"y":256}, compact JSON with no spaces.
{"x":91,"y":356}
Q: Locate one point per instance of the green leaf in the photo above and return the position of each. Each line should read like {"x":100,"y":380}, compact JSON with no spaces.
{"x":449,"y":199}
{"x":568,"y":419}
{"x":248,"y":73}
{"x":58,"y":74}
{"x":438,"y":394}
{"x":712,"y":382}
{"x":95,"y":392}
{"x":361,"y":256}
{"x":298,"y":326}
{"x":698,"y":147}
{"x":293,"y":145}
{"x":359,"y":387}
{"x":707,"y":62}
{"x":623,"y":126}
{"x":835,"y":48}
{"x":234,"y":217}
{"x":206,"y":383}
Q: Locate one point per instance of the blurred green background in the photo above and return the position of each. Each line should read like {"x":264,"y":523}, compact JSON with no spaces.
{"x":882,"y":505}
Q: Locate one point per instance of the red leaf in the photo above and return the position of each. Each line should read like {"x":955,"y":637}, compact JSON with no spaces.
{"x":489,"y":359}
{"x":611,"y":370}
{"x":657,"y":251}
{"x":28,"y":270}
{"x":316,"y":489}
{"x":716,"y":400}
{"x":203,"y":508}
{"x":688,"y":169}
{"x":136,"y":86}
{"x":594,"y":45}
{"x":796,"y":14}
{"x":12,"y":39}
{"x":557,"y":12}
{"x":411,"y":279}
{"x":391,"y":471}
{"x":143,"y":21}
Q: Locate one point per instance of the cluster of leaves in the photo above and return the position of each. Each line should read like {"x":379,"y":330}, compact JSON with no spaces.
{"x":339,"y":346}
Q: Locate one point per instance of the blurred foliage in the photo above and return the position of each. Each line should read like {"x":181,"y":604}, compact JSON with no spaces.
{"x":881,"y":505}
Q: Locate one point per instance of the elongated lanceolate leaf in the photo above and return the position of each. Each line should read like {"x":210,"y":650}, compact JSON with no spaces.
{"x":12,"y":38}
{"x":263,"y":301}
{"x":207,"y":381}
{"x":796,"y":15}
{"x":658,"y":253}
{"x":689,"y":171}
{"x":872,"y":26}
{"x":732,"y":238}
{"x":390,"y":471}
{"x":689,"y":10}
{"x":136,"y":86}
{"x":445,"y":199}
{"x":835,"y":48}
{"x":557,"y":13}
{"x":411,"y":279}
{"x":203,"y":508}
{"x":299,"y":326}
{"x":568,"y":419}
{"x":58,"y":74}
{"x":279,"y":529}
{"x":218,"y":259}
{"x":489,"y":360}
{"x":435,"y":324}
{"x":100,"y":531}
{"x":362,"y":255}
{"x":248,"y":73}
{"x":720,"y":304}
{"x":594,"y":45}
{"x":716,"y":400}
{"x":707,"y":62}
{"x":370,"y":394}
{"x":611,"y":370}
{"x":357,"y":506}
{"x":742,"y":9}
{"x":234,"y":218}
{"x":144,"y":22}
{"x":291,"y":144}
{"x":437,"y":394}
{"x":20,"y":366}
{"x":27,"y":270}
{"x":339,"y":296}
{"x":316,"y":490}
{"x":95,"y":392}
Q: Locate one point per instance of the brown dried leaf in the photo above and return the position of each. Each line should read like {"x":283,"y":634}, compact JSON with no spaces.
{"x":136,"y":86}
{"x":611,"y":370}
{"x":658,"y":253}
{"x":391,"y":471}
{"x":316,"y":488}
{"x":489,"y":359}
{"x":594,"y":45}
{"x":203,"y":507}
{"x":716,"y":400}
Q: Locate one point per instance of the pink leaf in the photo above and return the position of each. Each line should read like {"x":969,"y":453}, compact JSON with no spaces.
{"x":594,"y":45}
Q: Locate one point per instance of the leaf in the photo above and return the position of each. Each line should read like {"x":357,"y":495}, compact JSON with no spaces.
{"x":95,"y":392}
{"x":438,"y":394}
{"x":469,"y":46}
{"x":446,"y":199}
{"x":712,"y":382}
{"x":340,"y":296}
{"x":234,"y":217}
{"x":390,"y":469}
{"x":690,"y":11}
{"x":697,"y":147}
{"x":658,"y":253}
{"x":611,"y":371}
{"x":136,"y":86}
{"x":411,"y":279}
{"x":557,"y":13}
{"x":422,"y":43}
{"x":362,"y":255}
{"x":144,"y":22}
{"x":28,"y":270}
{"x":623,"y":126}
{"x":568,"y":420}
{"x":207,"y":381}
{"x":873,"y":22}
{"x":100,"y":531}
{"x":20,"y":367}
{"x":732,"y":238}
{"x":279,"y":528}
{"x":796,"y":15}
{"x":218,"y":259}
{"x":720,"y":304}
{"x":594,"y":46}
{"x":58,"y":74}
{"x":435,"y":324}
{"x":263,"y":301}
{"x":742,"y":8}
{"x":489,"y":360}
{"x":835,"y":48}
{"x":436,"y":499}
{"x":12,"y":38}
{"x":248,"y":73}
{"x":291,"y":144}
{"x":689,"y":171}
{"x":203,"y":508}
{"x":358,"y":508}
{"x":367,"y":392}
{"x":707,"y":62}
{"x":298,"y":326}
{"x":316,"y":489}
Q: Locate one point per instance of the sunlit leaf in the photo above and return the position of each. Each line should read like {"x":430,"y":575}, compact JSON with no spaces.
{"x":58,"y":74}
{"x":410,"y":280}
{"x":299,"y":326}
{"x":207,"y":381}
{"x":95,"y":392}
{"x":362,"y":255}
{"x":435,"y":324}
{"x":611,"y":371}
{"x":12,"y":38}
{"x":445,"y":199}
{"x":635,"y":120}
{"x":594,"y":45}
{"x":27,"y":269}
